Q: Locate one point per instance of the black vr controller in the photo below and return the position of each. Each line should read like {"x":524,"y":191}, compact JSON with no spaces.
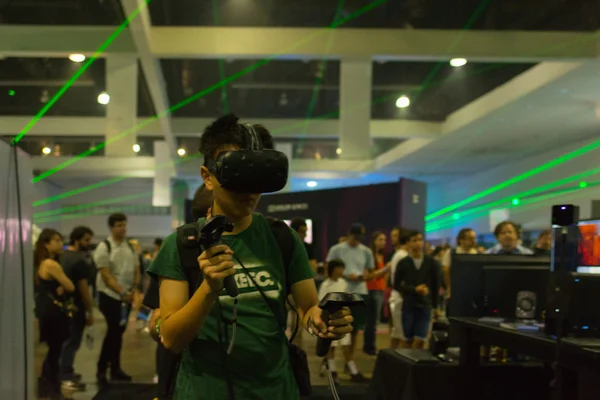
{"x":210,"y":236}
{"x":331,"y":303}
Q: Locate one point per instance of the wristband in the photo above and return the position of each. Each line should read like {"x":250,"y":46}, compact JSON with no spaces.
{"x":157,"y":327}
{"x":309,"y":327}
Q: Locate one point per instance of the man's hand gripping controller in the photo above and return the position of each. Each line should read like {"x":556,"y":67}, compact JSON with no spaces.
{"x":331,"y":303}
{"x":210,"y":236}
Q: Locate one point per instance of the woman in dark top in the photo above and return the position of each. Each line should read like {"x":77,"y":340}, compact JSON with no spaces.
{"x":52,"y":308}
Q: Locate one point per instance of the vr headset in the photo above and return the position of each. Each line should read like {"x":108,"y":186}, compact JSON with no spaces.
{"x":253,"y":169}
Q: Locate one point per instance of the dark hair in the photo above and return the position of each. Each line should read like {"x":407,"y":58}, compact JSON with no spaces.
{"x":374,"y":237}
{"x":116,"y":217}
{"x":333,"y":264}
{"x":201,"y":202}
{"x":411,"y":234}
{"x":402,"y":234}
{"x":40,"y":252}
{"x":297,"y":223}
{"x":501,"y":226}
{"x":462,"y":234}
{"x":228,"y":131}
{"x":78,"y":233}
{"x":545,"y":232}
{"x":158,"y":242}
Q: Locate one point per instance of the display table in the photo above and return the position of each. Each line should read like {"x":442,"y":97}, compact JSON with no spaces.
{"x":398,"y":378}
{"x":579,"y":365}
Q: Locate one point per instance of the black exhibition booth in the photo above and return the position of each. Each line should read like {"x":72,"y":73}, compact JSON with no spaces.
{"x":332,"y":211}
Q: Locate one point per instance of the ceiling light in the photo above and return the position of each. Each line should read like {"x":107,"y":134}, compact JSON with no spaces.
{"x":583,"y":184}
{"x":515,"y":202}
{"x":136,"y":148}
{"x":46,"y":150}
{"x":402,"y":102}
{"x":338,"y":151}
{"x":11,"y":92}
{"x":103,"y":98}
{"x":181,"y":152}
{"x":77,"y":58}
{"x":311,"y":184}
{"x":458,"y":62}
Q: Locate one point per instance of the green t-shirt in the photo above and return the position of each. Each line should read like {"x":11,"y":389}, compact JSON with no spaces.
{"x":259,"y":365}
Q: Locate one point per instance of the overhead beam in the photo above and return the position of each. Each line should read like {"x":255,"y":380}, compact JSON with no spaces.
{"x":60,"y":41}
{"x":145,"y":167}
{"x":98,"y":167}
{"x":140,"y":31}
{"x":256,"y":43}
{"x":193,"y":127}
{"x":381,"y":44}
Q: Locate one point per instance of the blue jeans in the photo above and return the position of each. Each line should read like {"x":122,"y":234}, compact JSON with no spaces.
{"x":416,"y":322}
{"x":71,"y":345}
{"x":373,"y":314}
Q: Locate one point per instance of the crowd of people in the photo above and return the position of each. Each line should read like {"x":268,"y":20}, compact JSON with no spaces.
{"x":192,"y":323}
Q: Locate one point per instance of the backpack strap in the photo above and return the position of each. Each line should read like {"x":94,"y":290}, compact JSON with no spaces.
{"x":108,"y":246}
{"x":285,"y":242}
{"x":189,"y":250}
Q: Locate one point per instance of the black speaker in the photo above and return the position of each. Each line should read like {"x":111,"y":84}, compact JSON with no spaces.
{"x":565,"y":215}
{"x":560,"y":289}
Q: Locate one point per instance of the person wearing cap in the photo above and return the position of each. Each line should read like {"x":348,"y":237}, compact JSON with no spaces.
{"x":358,"y":260}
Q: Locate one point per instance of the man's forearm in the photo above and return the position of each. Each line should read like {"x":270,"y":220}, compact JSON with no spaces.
{"x":181,"y":327}
{"x":86,"y":297}
{"x":136,"y":277}
{"x":112,"y":283}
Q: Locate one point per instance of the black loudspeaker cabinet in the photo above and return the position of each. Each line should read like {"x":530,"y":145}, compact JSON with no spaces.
{"x":560,"y":289}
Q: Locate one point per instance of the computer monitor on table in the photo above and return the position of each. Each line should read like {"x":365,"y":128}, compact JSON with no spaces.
{"x":468,"y":280}
{"x":588,"y":250}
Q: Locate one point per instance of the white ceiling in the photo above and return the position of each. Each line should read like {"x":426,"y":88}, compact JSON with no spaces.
{"x":553,"y":115}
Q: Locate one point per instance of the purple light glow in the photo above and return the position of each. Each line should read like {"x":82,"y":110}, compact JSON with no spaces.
{"x":9,"y":234}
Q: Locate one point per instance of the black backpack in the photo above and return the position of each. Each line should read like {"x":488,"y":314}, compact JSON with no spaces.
{"x":109,"y":247}
{"x":188,"y":257}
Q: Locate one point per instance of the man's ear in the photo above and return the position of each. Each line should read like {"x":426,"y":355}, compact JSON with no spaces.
{"x":207,"y":178}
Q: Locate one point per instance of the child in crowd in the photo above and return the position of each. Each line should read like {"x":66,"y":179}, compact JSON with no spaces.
{"x":334,"y":283}
{"x":417,"y":278}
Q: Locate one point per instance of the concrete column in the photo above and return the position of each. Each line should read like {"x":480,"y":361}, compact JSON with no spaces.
{"x":287,"y":149}
{"x":161,"y":189}
{"x":179,"y":193}
{"x":355,"y":108}
{"x":121,"y":112}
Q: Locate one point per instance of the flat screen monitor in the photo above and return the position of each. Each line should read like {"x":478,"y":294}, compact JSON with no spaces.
{"x":309,"y":229}
{"x":588,"y":250}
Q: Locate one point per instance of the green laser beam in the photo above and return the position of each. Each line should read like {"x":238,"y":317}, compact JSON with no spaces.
{"x":224,"y":97}
{"x":509,"y":182}
{"x":533,"y":191}
{"x":76,"y":191}
{"x":84,"y":215}
{"x":322,"y":68}
{"x":68,"y":209}
{"x":434,"y":71}
{"x":432,"y":227}
{"x":109,"y":181}
{"x":206,"y":91}
{"x":78,"y":73}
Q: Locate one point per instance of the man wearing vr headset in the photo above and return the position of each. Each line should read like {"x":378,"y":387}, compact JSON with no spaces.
{"x":240,"y":164}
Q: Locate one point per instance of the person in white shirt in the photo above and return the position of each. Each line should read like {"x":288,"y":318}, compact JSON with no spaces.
{"x":334,"y":283}
{"x":399,"y":239}
{"x":359,"y":262}
{"x":118,"y":275}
